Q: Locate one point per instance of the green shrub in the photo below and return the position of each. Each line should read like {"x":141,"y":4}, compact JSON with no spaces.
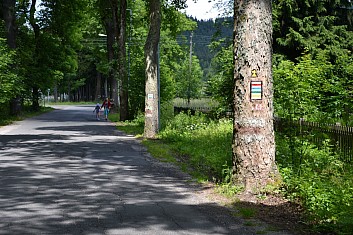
{"x":321,"y":182}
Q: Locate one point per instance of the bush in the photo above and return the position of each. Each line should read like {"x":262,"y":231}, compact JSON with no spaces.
{"x":321,"y":182}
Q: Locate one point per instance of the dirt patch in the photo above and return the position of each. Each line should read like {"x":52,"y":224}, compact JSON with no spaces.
{"x":274,"y":210}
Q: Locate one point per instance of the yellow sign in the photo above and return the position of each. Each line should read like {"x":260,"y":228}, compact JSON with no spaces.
{"x":254,"y":73}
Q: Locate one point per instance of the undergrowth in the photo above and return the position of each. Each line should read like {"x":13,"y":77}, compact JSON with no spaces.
{"x":6,"y":118}
{"x":321,"y":182}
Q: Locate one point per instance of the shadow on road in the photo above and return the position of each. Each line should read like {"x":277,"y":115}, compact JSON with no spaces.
{"x":53,"y":185}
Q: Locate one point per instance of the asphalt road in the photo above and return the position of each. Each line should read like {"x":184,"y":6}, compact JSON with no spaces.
{"x":66,"y":173}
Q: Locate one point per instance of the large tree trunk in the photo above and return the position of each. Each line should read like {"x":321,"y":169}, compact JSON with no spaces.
{"x":253,"y":134}
{"x":114,"y":78}
{"x":36,"y":29}
{"x":151,"y":72}
{"x":9,"y":16}
{"x":121,"y":38}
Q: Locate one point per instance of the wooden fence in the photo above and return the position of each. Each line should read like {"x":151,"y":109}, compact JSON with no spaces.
{"x":340,"y":137}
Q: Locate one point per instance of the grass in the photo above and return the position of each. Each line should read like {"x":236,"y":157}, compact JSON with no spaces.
{"x":159,"y":150}
{"x":202,"y":102}
{"x":247,"y":213}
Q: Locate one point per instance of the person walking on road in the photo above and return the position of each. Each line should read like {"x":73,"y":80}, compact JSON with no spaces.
{"x":97,"y":109}
{"x":106,"y":105}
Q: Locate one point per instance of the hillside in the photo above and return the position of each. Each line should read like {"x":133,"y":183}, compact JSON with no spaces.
{"x":206,"y":32}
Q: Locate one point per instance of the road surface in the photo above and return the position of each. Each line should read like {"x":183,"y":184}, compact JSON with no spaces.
{"x":64,"y":172}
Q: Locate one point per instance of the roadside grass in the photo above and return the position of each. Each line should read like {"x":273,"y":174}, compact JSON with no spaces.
{"x":321,"y":183}
{"x":6,"y":119}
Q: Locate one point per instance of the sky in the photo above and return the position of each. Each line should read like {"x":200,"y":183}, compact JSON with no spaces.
{"x":202,"y":10}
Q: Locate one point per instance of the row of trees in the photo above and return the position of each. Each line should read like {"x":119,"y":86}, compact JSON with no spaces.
{"x":88,"y":50}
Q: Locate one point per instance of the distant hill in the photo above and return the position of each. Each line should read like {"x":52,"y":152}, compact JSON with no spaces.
{"x":208,"y":30}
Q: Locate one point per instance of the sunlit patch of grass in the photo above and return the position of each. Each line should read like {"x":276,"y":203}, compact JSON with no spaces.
{"x":247,"y":213}
{"x":159,"y":150}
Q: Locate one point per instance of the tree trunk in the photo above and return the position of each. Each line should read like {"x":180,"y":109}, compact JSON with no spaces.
{"x":8,"y":13}
{"x":36,"y":29}
{"x":253,"y":134}
{"x":151,"y":72}
{"x":9,"y":16}
{"x":98,"y":86}
{"x":110,"y":30}
{"x":121,"y":38}
{"x":55,"y":92}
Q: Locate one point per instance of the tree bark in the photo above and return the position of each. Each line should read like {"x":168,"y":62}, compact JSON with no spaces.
{"x":121,"y":39}
{"x":151,"y":71}
{"x":98,"y":86}
{"x":8,"y":14}
{"x":253,"y":134}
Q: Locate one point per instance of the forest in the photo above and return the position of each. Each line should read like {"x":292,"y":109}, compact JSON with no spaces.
{"x":63,"y":50}
{"x":80,"y":50}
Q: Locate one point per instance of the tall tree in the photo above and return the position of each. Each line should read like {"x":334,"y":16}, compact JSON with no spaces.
{"x":189,"y":79}
{"x":121,"y":39}
{"x":9,"y":17}
{"x":311,"y":25}
{"x":151,"y":71}
{"x":253,"y":134}
{"x":36,"y":30}
{"x":108,"y":14}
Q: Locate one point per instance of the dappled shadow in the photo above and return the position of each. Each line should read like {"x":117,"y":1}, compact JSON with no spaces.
{"x":80,"y":180}
{"x":83,"y":178}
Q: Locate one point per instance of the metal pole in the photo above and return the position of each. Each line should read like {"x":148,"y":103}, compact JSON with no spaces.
{"x":159,"y":88}
{"x":190,"y":70}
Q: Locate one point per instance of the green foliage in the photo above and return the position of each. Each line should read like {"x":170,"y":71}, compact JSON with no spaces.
{"x":321,"y":182}
{"x":220,"y":85}
{"x":10,"y":82}
{"x":189,"y":79}
{"x":27,"y":112}
{"x":296,"y":88}
{"x":317,"y":37}
{"x":313,"y":89}
{"x":311,"y":25}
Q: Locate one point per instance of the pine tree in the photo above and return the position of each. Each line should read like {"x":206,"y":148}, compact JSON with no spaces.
{"x":253,"y":140}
